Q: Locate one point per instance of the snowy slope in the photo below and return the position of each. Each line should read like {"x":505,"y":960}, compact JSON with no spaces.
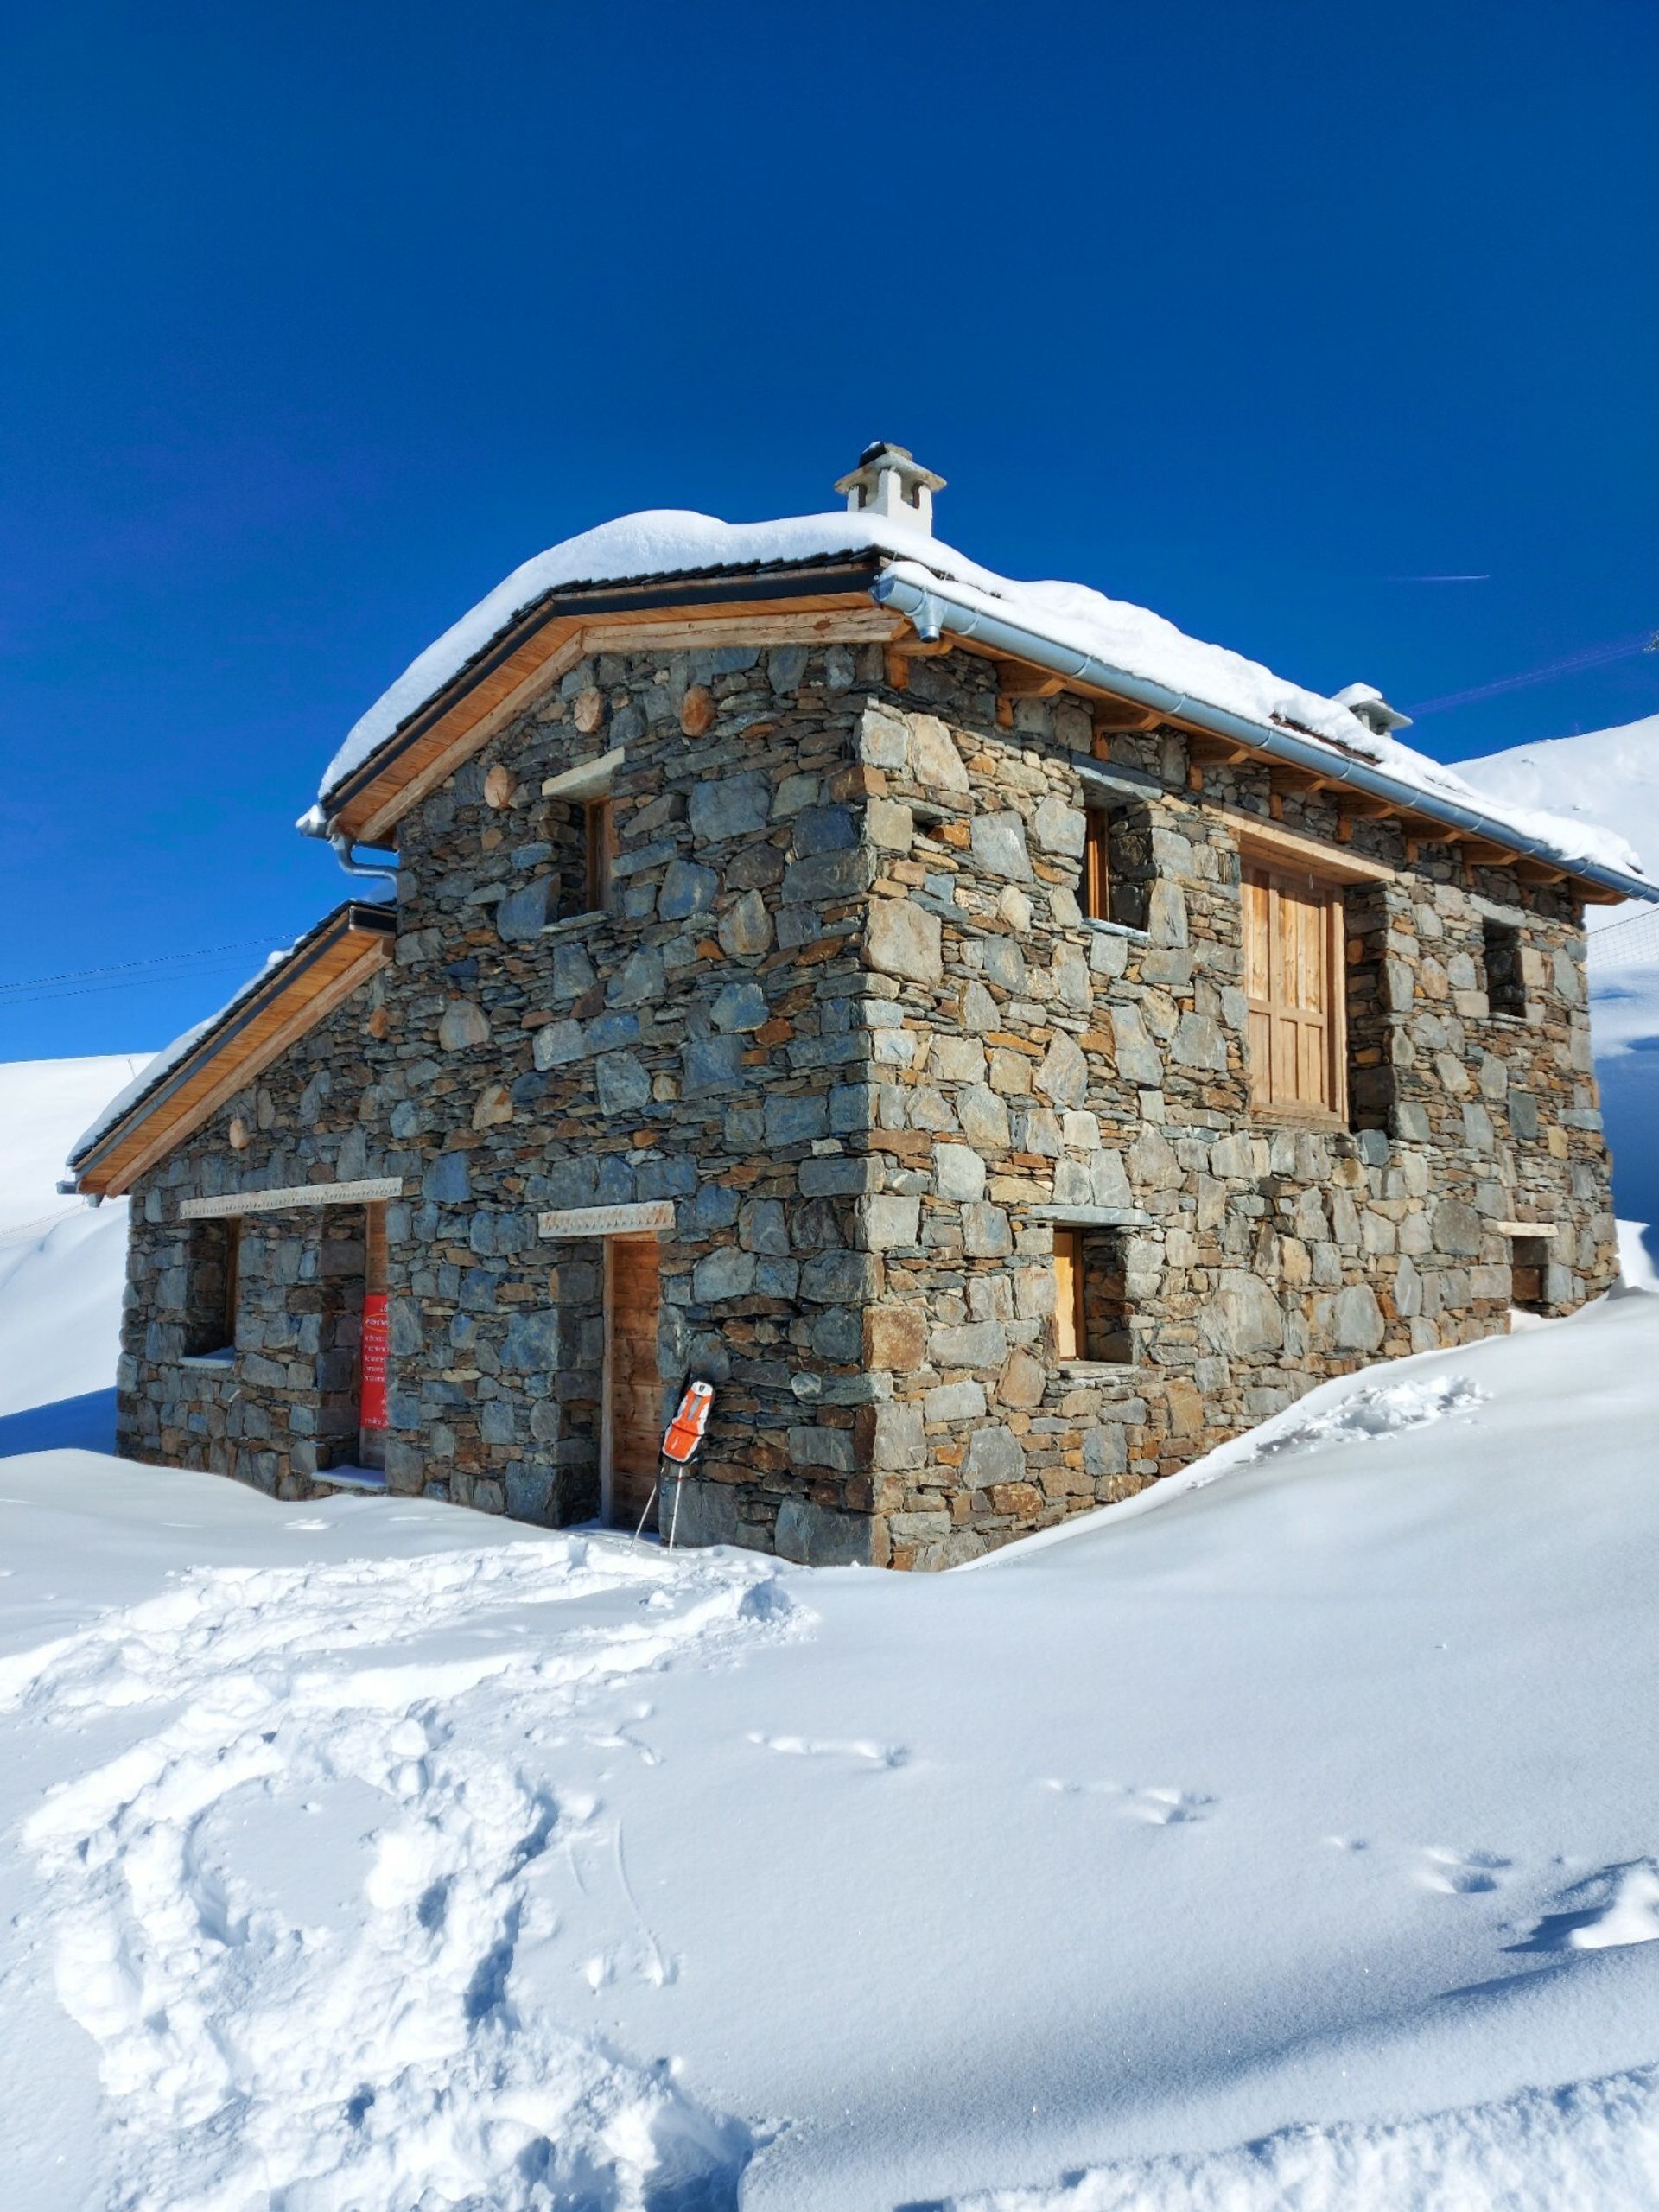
{"x":1285,"y":1838}
{"x":61,"y":1265}
{"x":1610,"y":775}
{"x":1605,"y":775}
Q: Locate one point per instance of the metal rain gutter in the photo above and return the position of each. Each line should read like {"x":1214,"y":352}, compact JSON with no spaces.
{"x":932,"y":609}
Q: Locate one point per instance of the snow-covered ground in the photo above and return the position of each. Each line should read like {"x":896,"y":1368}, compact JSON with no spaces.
{"x":61,"y":1264}
{"x":1288,"y":1838}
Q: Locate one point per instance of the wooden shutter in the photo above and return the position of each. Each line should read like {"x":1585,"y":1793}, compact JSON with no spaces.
{"x":1097,"y":878}
{"x":1292,"y":953}
{"x":1068,"y":1294}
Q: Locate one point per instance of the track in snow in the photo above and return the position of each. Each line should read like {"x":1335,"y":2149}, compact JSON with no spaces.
{"x":259,"y":2048}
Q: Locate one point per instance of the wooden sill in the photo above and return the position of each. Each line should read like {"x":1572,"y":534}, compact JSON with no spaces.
{"x":1297,"y":1117}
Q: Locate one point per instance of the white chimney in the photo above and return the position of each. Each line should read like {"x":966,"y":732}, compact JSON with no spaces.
{"x":1365,"y":701}
{"x":888,"y":482}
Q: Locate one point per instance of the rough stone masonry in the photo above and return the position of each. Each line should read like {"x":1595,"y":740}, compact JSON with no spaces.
{"x":846,"y":1014}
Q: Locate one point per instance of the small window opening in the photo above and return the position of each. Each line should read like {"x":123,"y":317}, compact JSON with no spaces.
{"x":212,"y":1289}
{"x":1528,"y":1264}
{"x":1505,"y":992}
{"x":599,"y":829}
{"x":1092,"y":1320}
{"x":1117,"y":870}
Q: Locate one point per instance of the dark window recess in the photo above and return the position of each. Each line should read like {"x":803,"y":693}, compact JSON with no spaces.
{"x":1116,"y":880}
{"x":1528,"y":1261}
{"x":1505,"y":993}
{"x":583,"y":835}
{"x":1091,"y":1305}
{"x":211,"y":1288}
{"x":600,"y":832}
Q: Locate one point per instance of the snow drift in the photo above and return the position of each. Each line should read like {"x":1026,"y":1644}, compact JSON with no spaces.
{"x":1280,"y":1838}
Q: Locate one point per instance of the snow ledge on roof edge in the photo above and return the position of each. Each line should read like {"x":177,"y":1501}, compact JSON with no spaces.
{"x":666,"y":542}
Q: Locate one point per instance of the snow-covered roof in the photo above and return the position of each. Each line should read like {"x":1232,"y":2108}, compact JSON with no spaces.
{"x":666,"y":542}
{"x":155,"y":1072}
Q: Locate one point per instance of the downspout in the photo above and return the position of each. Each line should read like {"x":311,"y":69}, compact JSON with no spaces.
{"x":316,"y":824}
{"x":932,"y":610}
{"x":346,"y":854}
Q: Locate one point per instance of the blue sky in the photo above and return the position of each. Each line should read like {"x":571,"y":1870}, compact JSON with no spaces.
{"x":314,"y":320}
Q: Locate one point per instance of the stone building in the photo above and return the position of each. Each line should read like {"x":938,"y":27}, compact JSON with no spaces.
{"x":1005,"y":1046}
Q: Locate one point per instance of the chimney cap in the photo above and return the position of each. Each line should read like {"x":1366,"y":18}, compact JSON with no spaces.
{"x":1367,"y":704}
{"x":888,"y":480}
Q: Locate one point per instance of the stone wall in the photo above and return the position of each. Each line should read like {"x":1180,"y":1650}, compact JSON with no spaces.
{"x":847,"y":1015}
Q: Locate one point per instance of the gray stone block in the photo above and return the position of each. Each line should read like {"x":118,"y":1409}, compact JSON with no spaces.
{"x":622,"y":1083}
{"x":732,"y":806}
{"x":822,"y":1536}
{"x":711,"y":1063}
{"x":687,"y":890}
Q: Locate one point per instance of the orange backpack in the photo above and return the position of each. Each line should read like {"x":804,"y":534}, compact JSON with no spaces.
{"x":684,"y":1438}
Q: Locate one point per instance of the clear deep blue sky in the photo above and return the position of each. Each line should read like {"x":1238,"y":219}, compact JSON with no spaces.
{"x":315,"y":320}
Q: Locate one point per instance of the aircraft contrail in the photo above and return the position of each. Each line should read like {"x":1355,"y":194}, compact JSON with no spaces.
{"x":1645,"y":641}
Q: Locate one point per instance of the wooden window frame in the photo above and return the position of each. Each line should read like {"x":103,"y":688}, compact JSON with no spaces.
{"x":1269,"y":860}
{"x":1070,"y":1303}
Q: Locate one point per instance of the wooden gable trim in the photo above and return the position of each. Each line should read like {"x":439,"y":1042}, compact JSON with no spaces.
{"x":829,"y":607}
{"x":292,"y":1000}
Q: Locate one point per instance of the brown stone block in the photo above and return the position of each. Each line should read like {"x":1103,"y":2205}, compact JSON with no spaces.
{"x":861,"y":781}
{"x":1020,"y":1499}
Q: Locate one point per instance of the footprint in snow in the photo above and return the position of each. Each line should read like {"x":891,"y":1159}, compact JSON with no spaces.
{"x":1158,"y":1808}
{"x":1616,"y":1906}
{"x":882,"y":1755}
{"x":1460,"y":1873}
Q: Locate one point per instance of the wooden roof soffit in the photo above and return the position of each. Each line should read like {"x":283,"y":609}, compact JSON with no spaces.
{"x":316,"y":977}
{"x":482,"y":702}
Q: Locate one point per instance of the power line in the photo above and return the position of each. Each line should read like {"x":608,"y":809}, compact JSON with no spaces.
{"x":130,"y":967}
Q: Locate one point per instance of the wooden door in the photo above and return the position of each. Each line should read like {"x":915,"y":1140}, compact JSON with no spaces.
{"x":1291,"y":942}
{"x":371,"y":1358}
{"x":634,"y":1389}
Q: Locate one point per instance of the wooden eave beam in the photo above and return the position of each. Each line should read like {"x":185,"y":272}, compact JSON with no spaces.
{"x":341,"y":970}
{"x":1111,"y":717}
{"x":1018,"y":679}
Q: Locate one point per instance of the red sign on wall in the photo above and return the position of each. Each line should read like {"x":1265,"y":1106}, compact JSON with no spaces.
{"x":372,"y":1405}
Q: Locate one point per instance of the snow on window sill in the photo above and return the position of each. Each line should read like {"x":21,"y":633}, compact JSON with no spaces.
{"x":215,"y":1361}
{"x":1115,"y":929}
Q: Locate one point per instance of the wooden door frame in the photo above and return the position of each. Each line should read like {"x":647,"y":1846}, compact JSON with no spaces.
{"x":606,"y":1442}
{"x":608,"y":1368}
